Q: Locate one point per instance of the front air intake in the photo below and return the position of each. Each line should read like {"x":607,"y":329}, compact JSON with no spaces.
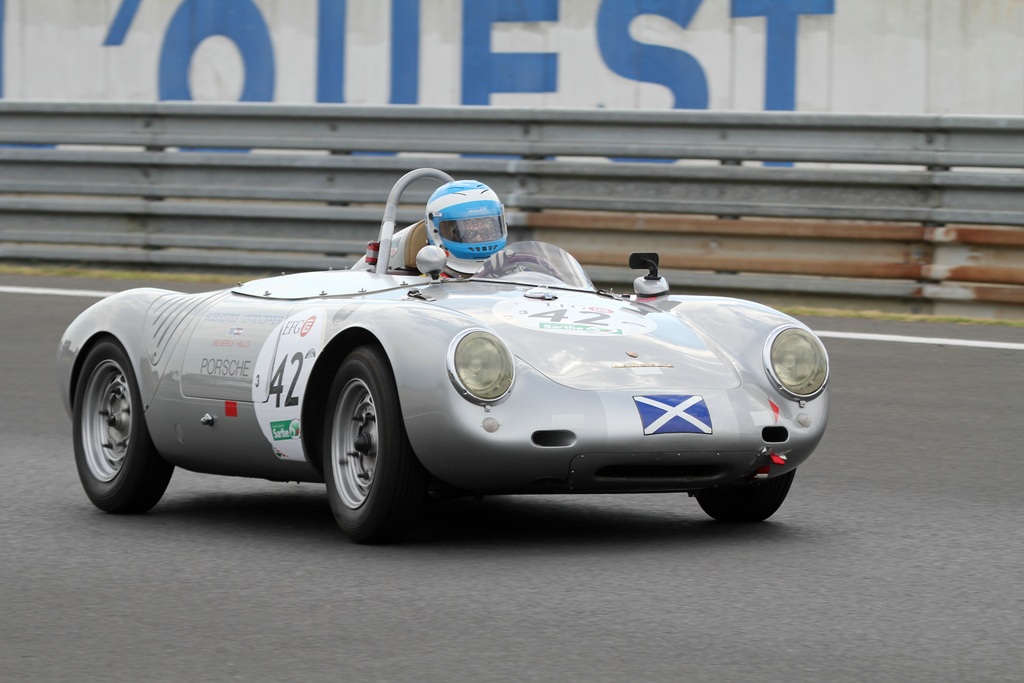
{"x":553,"y":438}
{"x":775,"y":434}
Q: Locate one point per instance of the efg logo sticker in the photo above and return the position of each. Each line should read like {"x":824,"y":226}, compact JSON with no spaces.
{"x":285,"y":430}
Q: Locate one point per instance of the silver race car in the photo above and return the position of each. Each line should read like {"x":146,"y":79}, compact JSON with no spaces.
{"x":399,"y":388}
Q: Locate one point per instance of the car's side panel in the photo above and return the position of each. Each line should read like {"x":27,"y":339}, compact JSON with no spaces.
{"x":223,"y":346}
{"x":203,"y":417}
{"x":231,"y":444}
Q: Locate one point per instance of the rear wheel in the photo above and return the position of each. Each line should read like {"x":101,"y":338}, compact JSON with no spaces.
{"x":750,"y":503}
{"x":375,"y":484}
{"x":118,"y":464}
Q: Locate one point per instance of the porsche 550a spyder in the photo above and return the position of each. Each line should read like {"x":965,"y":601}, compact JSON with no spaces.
{"x":394,"y":388}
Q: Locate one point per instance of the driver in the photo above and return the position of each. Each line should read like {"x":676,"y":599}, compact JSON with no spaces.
{"x":463,"y":217}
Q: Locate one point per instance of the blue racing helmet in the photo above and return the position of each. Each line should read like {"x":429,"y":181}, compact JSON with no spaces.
{"x":466,"y":218}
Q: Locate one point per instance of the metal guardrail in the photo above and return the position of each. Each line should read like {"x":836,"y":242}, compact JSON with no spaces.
{"x":924,"y":140}
{"x":870,"y":202}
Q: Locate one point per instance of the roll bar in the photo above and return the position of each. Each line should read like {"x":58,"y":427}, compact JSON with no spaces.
{"x":387,"y":227}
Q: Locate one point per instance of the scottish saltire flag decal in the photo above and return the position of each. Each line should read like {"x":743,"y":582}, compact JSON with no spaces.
{"x":673,"y":414}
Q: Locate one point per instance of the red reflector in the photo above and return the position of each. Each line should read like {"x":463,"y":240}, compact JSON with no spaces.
{"x":763,"y":470}
{"x":230,"y":409}
{"x":778,"y":459}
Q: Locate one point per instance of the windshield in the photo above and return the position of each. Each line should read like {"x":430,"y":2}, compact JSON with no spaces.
{"x":535,"y":263}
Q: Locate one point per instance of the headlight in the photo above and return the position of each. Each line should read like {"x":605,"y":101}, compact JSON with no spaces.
{"x":480,"y":366}
{"x":796,"y":362}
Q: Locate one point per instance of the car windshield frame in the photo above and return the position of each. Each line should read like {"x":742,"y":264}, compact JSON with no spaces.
{"x":534,"y":263}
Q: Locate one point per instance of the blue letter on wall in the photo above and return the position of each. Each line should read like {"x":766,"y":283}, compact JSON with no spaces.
{"x":122,"y":22}
{"x":405,"y":51}
{"x":780,"y":62}
{"x":238,"y":20}
{"x":485,"y":72}
{"x":675,"y":69}
{"x":330,"y":51}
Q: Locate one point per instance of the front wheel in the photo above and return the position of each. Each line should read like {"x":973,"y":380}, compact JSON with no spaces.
{"x":118,"y":464}
{"x":749,"y":503}
{"x":375,"y":484}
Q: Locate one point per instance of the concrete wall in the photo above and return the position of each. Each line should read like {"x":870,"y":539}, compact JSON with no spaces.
{"x":892,"y":56}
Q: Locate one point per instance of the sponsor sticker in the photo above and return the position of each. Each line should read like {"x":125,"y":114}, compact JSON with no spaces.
{"x":285,"y":430}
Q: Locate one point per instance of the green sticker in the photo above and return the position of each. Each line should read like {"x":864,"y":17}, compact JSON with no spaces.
{"x":285,"y":430}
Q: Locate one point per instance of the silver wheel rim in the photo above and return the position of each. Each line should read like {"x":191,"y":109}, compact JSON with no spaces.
{"x":354,"y":446}
{"x":106,"y":420}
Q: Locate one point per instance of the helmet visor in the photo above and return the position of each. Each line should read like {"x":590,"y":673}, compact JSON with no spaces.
{"x":472,"y":230}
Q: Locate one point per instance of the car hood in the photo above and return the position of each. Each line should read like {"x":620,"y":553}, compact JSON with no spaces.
{"x":586,"y":341}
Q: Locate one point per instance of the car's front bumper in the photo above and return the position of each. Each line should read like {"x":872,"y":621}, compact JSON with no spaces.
{"x":547,"y":438}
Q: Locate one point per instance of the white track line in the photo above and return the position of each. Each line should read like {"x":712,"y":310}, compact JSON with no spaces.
{"x":826,"y":334}
{"x":95,"y":293}
{"x":939,"y":341}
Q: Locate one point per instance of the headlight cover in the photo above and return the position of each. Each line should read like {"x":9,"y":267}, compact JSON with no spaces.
{"x":480,"y":366}
{"x":796,"y":362}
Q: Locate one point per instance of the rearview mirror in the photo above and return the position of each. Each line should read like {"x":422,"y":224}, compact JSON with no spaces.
{"x":642,"y":259}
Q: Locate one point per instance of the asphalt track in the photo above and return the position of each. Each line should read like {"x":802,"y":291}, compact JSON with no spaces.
{"x":898,"y":556}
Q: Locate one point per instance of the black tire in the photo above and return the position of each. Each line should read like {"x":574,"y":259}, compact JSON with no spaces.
{"x":749,"y":503}
{"x":375,"y":484}
{"x":118,"y":464}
